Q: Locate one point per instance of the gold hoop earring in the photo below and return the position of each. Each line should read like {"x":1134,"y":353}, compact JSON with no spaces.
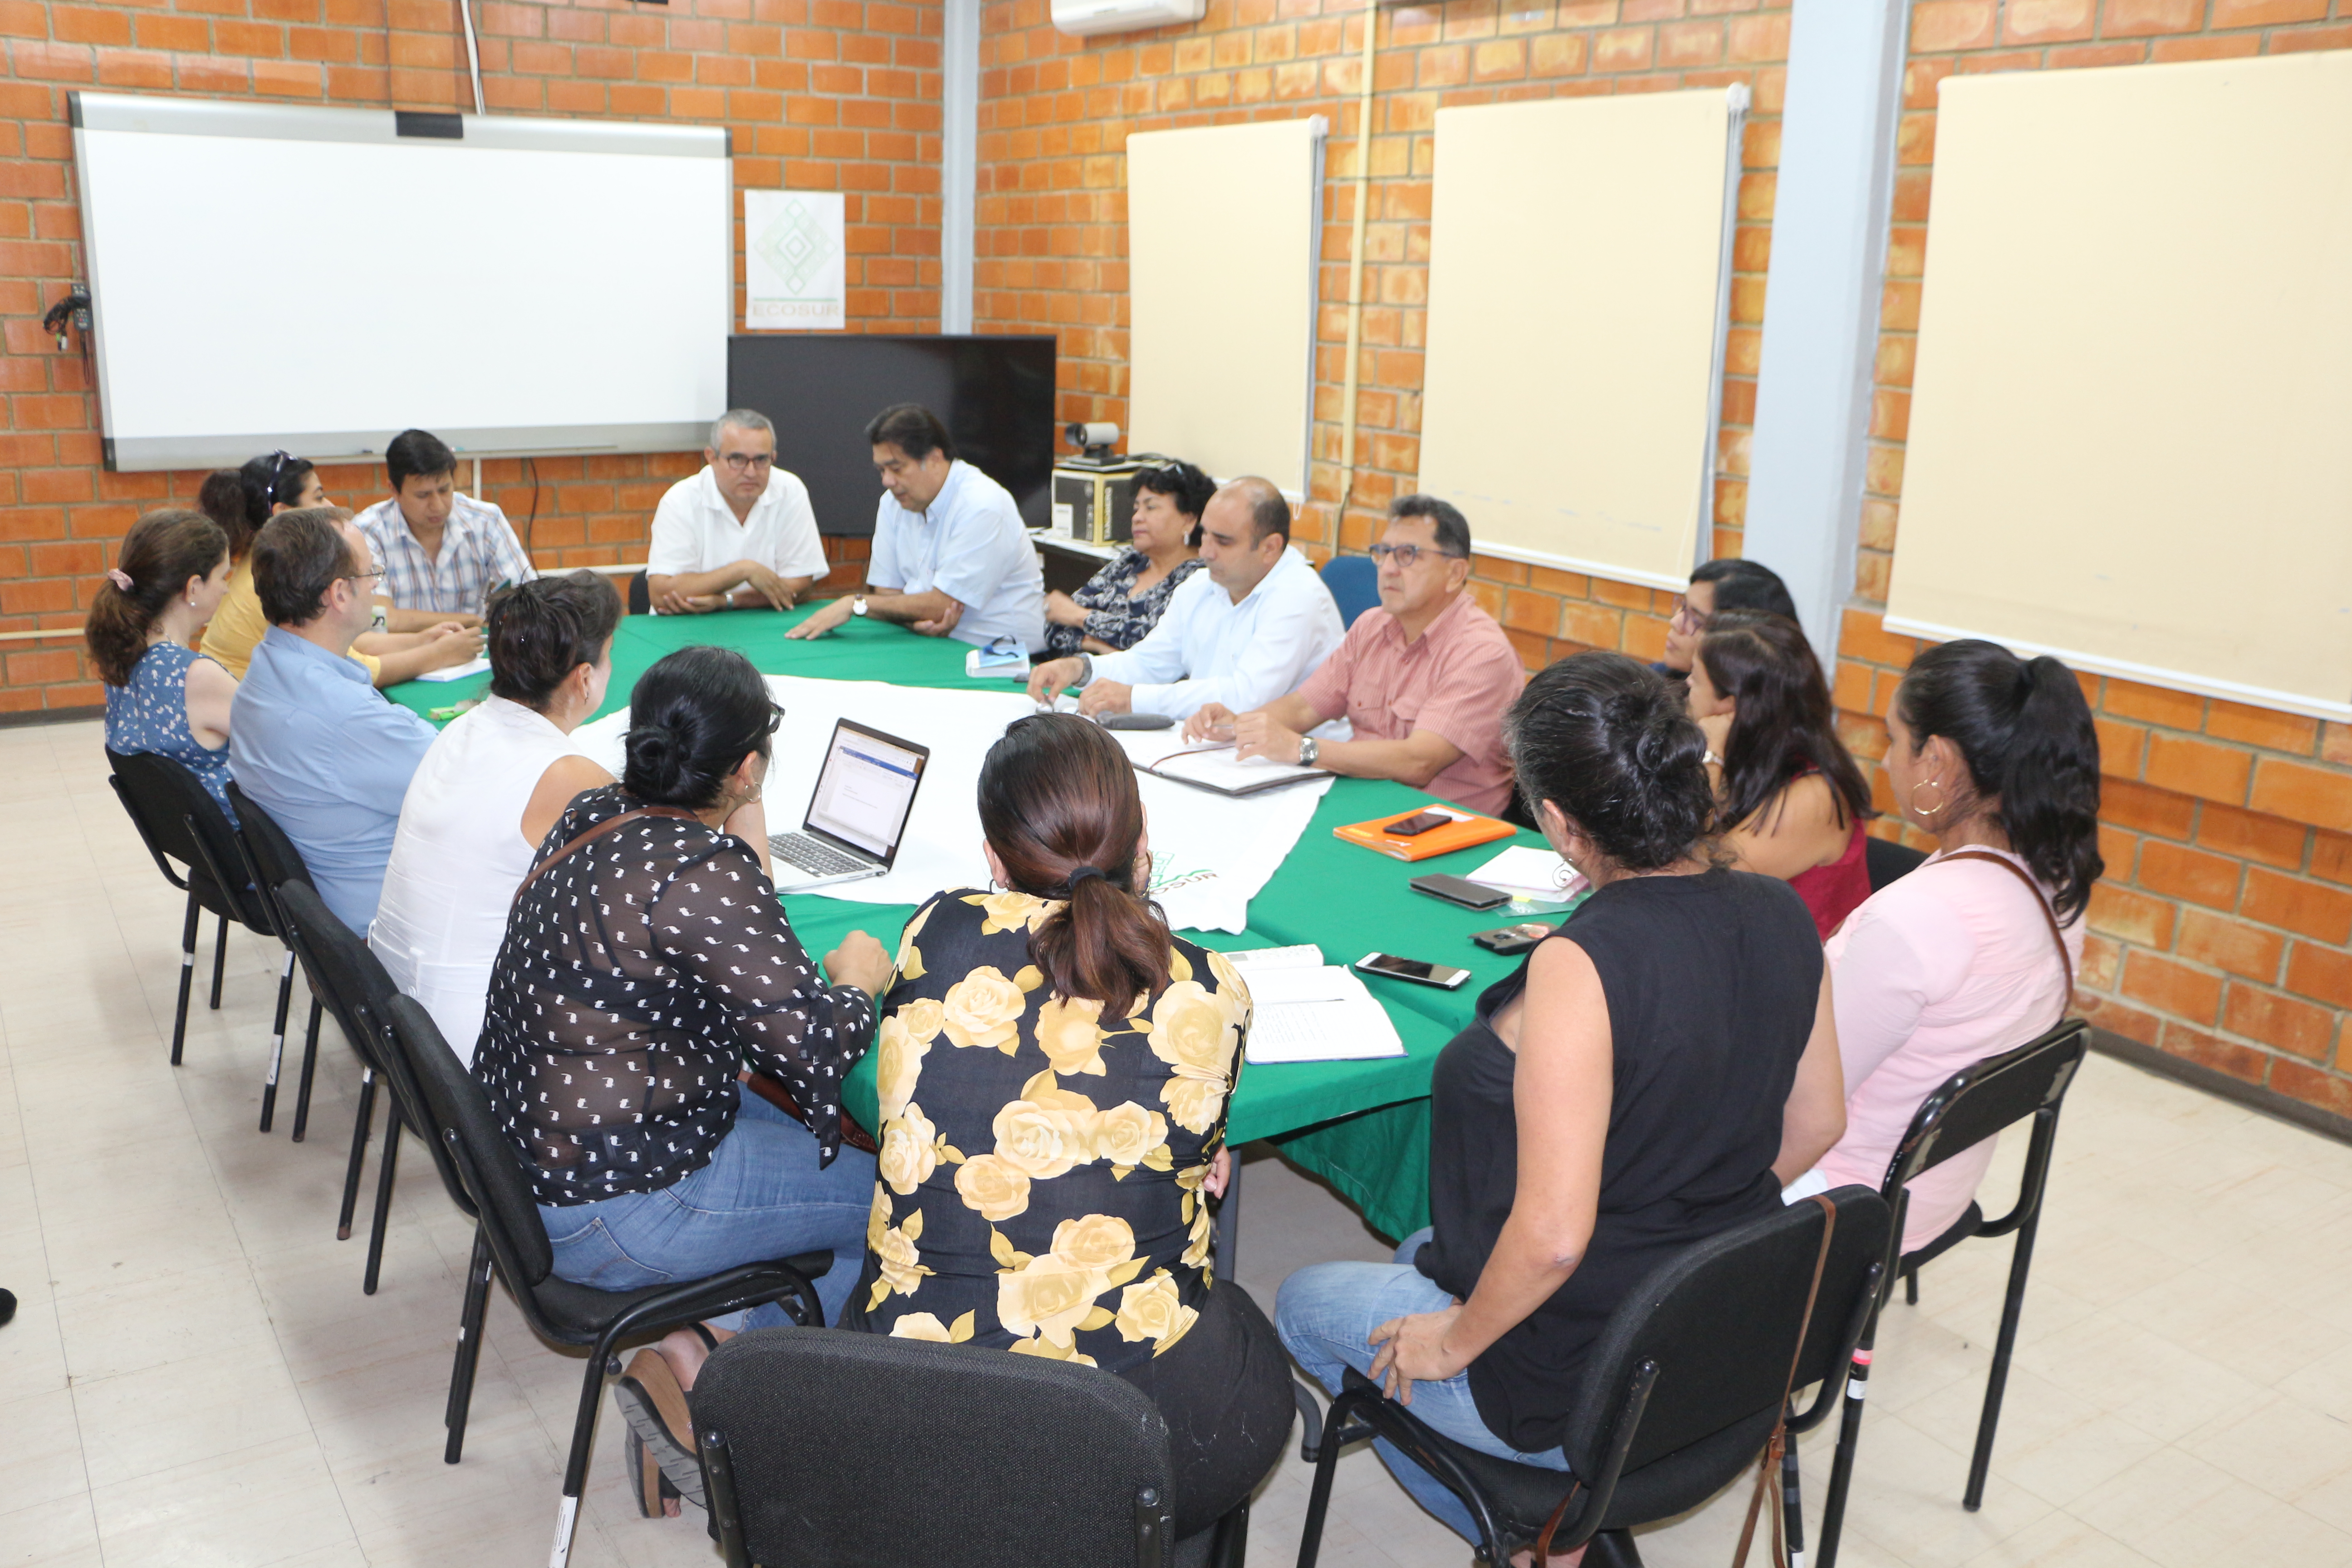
{"x":1941,"y":802}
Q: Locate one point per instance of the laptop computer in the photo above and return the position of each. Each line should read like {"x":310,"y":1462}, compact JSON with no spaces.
{"x":864,"y":793}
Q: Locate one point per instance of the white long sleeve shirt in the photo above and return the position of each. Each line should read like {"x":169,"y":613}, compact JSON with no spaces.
{"x":1207,"y":648}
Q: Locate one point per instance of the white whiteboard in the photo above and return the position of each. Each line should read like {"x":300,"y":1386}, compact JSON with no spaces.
{"x":1579,"y":275}
{"x":532,"y":285}
{"x":1223,"y":233}
{"x":2127,"y":423}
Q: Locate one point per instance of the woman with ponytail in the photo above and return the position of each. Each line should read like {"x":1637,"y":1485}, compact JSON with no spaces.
{"x":161,"y":695}
{"x":648,"y":967}
{"x":1649,"y":1077}
{"x":1974,"y":951}
{"x":1055,"y":1070}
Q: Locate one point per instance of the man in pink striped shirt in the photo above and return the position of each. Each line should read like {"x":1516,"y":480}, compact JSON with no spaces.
{"x":1424,"y":680}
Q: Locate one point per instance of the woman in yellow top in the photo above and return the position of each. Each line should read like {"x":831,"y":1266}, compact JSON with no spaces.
{"x":241,"y":500}
{"x":1055,"y":1070}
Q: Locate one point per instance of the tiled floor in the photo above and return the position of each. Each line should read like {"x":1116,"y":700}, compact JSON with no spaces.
{"x":193,"y":1377}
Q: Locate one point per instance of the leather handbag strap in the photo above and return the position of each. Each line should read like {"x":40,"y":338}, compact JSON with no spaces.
{"x":602,"y":828}
{"x":2041,"y":901}
{"x":1778,"y":1444}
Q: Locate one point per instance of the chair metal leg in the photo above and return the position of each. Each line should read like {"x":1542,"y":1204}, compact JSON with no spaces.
{"x":1792,"y":1500}
{"x":584,"y":1437}
{"x":2020,"y":1265}
{"x":310,"y":1070}
{"x":1231,"y":1547}
{"x":1857,"y":1390}
{"x":187,"y":976}
{"x":220,"y":960}
{"x":470,"y":1346}
{"x":277,"y":1047}
{"x":1911,"y":1286}
{"x":383,"y":1196}
{"x":360,"y":1130}
{"x":1319,"y":1496}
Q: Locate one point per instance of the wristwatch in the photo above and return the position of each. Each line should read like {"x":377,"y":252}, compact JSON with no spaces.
{"x":1086,"y":669}
{"x":857,"y":605}
{"x":1307,"y":750}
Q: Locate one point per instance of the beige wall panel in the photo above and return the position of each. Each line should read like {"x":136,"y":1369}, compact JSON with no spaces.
{"x":2127,"y":434}
{"x":1223,"y":232}
{"x":1576,"y":290}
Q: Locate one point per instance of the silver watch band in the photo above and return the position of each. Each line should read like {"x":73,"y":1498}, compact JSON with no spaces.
{"x":1086,"y":669}
{"x":1308,"y":751}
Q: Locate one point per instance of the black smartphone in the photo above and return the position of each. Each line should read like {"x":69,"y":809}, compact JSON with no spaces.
{"x":1409,"y":826}
{"x":1460,"y":890}
{"x":1418,"y":970}
{"x":1512,"y":939}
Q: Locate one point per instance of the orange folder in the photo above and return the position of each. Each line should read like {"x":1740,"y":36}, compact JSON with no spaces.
{"x":1437,"y":841}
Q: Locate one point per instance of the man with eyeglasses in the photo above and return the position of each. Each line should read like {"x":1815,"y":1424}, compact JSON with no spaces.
{"x":740,"y":534}
{"x":1424,"y":680}
{"x":440,"y":551}
{"x":310,"y":740}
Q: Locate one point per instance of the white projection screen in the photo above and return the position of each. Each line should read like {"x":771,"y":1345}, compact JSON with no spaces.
{"x":1580,"y":277}
{"x":320,"y":280}
{"x":1225,"y":230}
{"x":2127,"y":422}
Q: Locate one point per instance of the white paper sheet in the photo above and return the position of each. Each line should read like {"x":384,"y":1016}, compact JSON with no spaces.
{"x":1210,"y":854}
{"x":459,"y":671}
{"x":1217,"y":767}
{"x":1529,"y":873}
{"x":1328,"y":1016}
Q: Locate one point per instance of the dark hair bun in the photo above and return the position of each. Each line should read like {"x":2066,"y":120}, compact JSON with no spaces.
{"x":1608,"y":743}
{"x":693,"y":718}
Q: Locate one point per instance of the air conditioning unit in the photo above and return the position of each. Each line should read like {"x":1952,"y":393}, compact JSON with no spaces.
{"x":1082,"y":19}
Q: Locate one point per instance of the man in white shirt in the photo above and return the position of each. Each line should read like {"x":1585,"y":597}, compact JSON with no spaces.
{"x":739,"y":535}
{"x":441,"y":551}
{"x":1254,"y":625}
{"x":950,"y":556}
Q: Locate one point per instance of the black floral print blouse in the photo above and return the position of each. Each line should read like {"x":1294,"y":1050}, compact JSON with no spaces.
{"x":1111,"y":615}
{"x":1039,"y":1186}
{"x":638,"y":976}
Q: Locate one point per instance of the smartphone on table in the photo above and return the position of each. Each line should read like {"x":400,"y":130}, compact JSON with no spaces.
{"x":1460,"y":890}
{"x":1509,"y":940}
{"x":1418,"y":970}
{"x":1413,"y":826}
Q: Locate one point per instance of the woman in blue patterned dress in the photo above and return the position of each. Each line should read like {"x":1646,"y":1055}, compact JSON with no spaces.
{"x":1124,"y":600}
{"x":161,"y":696}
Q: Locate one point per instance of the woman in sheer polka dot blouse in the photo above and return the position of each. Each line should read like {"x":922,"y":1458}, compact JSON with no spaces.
{"x":643,"y":969}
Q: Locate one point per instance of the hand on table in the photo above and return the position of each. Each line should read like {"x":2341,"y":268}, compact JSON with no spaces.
{"x":1106,"y":697}
{"x":1053,"y":678}
{"x":1209,"y":721}
{"x":674,"y":603}
{"x":450,"y":645}
{"x":942,"y":624}
{"x":1412,"y":1349}
{"x":1255,"y":734}
{"x":824,"y":621}
{"x":1065,"y":611}
{"x":767,"y":584}
{"x":859,"y":961}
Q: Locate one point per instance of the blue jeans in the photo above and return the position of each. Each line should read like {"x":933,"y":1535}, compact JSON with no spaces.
{"x":1325,"y":1315}
{"x":761,"y":1197}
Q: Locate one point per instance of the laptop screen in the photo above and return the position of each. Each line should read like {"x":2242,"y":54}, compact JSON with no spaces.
{"x":865,"y":791}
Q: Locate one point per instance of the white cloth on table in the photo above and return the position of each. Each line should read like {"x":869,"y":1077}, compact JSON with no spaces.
{"x":969,"y":544}
{"x":1207,"y":648}
{"x":459,"y":857}
{"x":695,"y":530}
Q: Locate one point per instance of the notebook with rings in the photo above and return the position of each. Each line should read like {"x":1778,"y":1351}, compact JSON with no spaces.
{"x":857,"y":815}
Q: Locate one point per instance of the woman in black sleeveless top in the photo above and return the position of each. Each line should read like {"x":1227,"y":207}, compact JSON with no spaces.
{"x":1648,"y":1077}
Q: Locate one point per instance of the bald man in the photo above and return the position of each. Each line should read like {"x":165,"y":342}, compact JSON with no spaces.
{"x":1254,"y":625}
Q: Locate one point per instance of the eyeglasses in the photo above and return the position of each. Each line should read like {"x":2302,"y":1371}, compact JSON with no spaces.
{"x":744,"y":462}
{"x":359,"y":576}
{"x":1406,"y":554}
{"x":1687,"y":617}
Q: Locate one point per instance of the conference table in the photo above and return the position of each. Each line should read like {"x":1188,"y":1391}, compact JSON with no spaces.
{"x":1363,"y":1126}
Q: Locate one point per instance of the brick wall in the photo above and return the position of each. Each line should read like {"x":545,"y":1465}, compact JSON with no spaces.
{"x":817,"y":94}
{"x":2219,"y":934}
{"x":1050,"y":250}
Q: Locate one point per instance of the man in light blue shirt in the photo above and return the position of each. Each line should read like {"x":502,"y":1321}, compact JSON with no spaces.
{"x":1252,"y":626}
{"x":950,"y":557}
{"x":310,"y":740}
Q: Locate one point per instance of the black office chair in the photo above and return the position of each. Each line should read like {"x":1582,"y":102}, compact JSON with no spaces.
{"x":179,"y":820}
{"x":510,"y":1241}
{"x":641,"y":598}
{"x":1680,"y":1392}
{"x":271,"y":860}
{"x":348,"y":979}
{"x":1074,"y":1472}
{"x":1971,"y":1106}
{"x":1884,"y":861}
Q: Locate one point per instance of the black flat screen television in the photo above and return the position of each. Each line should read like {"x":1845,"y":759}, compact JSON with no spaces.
{"x":996,"y":394}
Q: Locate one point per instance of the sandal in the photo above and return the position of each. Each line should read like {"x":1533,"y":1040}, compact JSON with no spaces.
{"x":654,"y":1407}
{"x":656,"y":1499}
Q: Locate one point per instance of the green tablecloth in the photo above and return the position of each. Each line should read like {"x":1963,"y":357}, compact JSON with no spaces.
{"x":1363,"y":1126}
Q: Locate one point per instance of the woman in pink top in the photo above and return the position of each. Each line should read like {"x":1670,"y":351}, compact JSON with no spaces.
{"x":1961,"y":959}
{"x":1792,"y":801}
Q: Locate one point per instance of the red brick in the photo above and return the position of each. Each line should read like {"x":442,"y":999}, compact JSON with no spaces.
{"x":2261,"y":727}
{"x":2155,"y":705}
{"x":2279,"y":1021}
{"x":2134,"y":917}
{"x":2171,"y":988}
{"x":2302,"y":793}
{"x":2250,"y":836}
{"x":2234,"y":945}
{"x":2330,"y":1091}
{"x":2146,"y":810}
{"x":2206,"y":1050}
{"x":2106,"y":1013}
{"x":2306,"y":908}
{"x":2179,"y":872}
{"x":2196,"y":767}
{"x":2322,"y":973}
